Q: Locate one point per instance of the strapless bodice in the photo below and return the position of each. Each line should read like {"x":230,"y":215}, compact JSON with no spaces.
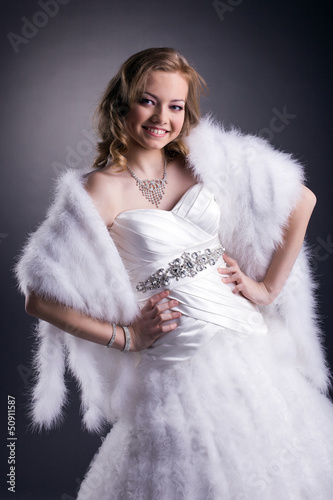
{"x":180,"y":250}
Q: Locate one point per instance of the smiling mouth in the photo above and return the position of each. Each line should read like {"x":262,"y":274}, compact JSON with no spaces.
{"x":156,"y":131}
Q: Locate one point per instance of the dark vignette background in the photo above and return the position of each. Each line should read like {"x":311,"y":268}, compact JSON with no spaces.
{"x":259,"y":59}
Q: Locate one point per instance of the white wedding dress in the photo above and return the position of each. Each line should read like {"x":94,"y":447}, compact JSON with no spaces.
{"x":217,"y":409}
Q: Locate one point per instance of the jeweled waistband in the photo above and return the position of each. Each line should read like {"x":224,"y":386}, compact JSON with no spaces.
{"x":187,"y":265}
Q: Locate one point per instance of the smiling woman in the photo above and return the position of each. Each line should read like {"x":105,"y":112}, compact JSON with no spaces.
{"x":155,"y":114}
{"x":125,"y":90}
{"x":199,"y":358}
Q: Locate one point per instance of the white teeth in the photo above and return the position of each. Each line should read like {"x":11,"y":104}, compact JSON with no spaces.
{"x":156,"y":131}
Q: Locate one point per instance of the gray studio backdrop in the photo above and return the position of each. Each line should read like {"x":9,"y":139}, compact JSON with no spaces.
{"x":267,"y":66}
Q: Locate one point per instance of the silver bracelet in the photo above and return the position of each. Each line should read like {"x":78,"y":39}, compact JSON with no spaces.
{"x":112,"y":339}
{"x":127,"y":339}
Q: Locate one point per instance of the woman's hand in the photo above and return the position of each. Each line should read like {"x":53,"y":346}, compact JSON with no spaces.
{"x":150,"y":325}
{"x":265,"y":292}
{"x":252,"y":290}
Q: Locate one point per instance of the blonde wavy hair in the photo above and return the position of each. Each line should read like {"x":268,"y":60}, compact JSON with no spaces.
{"x":125,"y":88}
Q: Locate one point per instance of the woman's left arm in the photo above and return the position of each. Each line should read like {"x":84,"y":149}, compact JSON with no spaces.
{"x":266,"y":291}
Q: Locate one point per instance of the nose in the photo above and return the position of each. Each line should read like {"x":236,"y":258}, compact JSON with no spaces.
{"x":160,"y":114}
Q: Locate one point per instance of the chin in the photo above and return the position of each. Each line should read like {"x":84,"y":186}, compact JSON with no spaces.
{"x":155,"y":144}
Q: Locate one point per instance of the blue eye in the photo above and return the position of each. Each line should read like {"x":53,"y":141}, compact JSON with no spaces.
{"x":145,"y":100}
{"x":177,"y":108}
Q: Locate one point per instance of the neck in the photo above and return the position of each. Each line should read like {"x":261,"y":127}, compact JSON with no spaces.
{"x":146,"y":163}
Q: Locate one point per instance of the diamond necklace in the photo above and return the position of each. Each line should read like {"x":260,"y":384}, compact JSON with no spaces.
{"x":153,"y":189}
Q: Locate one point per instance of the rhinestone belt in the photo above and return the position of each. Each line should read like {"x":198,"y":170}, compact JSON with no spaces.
{"x":187,"y":265}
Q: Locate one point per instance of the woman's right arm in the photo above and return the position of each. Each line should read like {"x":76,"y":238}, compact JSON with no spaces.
{"x":147,"y":328}
{"x":72,"y":321}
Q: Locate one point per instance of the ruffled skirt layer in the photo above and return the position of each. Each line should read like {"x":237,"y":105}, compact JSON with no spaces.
{"x":237,"y":421}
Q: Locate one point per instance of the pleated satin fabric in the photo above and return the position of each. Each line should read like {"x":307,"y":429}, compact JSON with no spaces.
{"x":208,"y":305}
{"x":215,"y":409}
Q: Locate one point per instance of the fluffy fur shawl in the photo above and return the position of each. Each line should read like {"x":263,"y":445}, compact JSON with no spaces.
{"x":71,"y":258}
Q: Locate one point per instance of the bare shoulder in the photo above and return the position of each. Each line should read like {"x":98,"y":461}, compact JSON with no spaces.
{"x":308,"y":197}
{"x":100,"y":182}
{"x":182,"y":175}
{"x":305,"y":205}
{"x":105,"y":187}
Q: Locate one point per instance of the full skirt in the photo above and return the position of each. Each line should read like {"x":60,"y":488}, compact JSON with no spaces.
{"x":237,"y":421}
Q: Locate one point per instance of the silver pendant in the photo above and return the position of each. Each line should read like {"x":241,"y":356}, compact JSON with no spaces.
{"x":153,"y":190}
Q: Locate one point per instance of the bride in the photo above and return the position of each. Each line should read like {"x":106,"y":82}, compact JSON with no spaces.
{"x":177,"y":267}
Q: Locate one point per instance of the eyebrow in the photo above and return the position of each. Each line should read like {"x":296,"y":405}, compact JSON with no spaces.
{"x":155,"y":97}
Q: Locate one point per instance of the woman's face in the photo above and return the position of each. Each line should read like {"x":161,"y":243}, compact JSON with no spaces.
{"x":158,"y":116}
